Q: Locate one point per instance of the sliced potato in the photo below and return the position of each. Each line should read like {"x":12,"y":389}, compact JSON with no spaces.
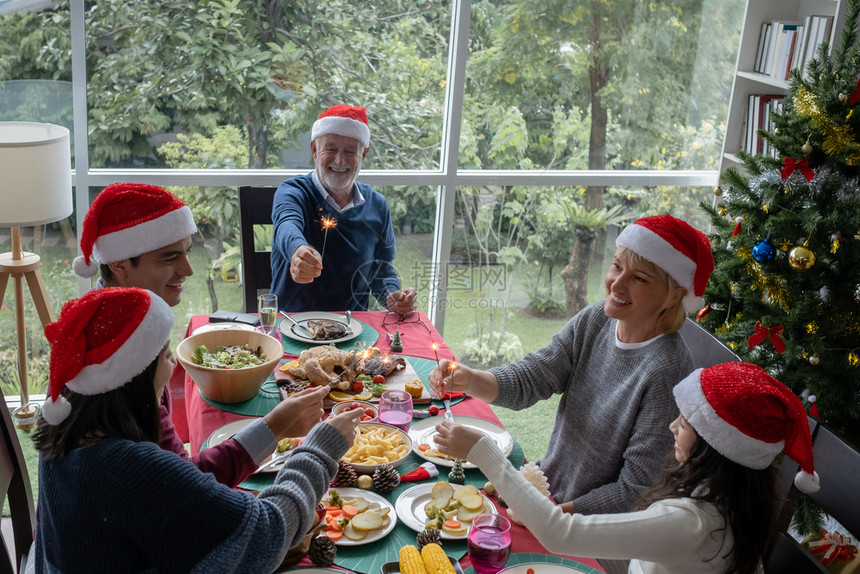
{"x":367,"y":521}
{"x":353,"y":533}
{"x":472,"y":501}
{"x":360,"y":504}
{"x":442,"y":494}
{"x":386,"y":520}
{"x":465,"y":515}
{"x":384,"y":511}
{"x":465,"y":490}
{"x":456,"y":531}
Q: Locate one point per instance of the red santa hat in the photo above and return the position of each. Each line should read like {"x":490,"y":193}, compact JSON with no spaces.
{"x":343,"y":120}
{"x":101,"y":341}
{"x":129,"y":219}
{"x":749,"y":417}
{"x":675,"y":246}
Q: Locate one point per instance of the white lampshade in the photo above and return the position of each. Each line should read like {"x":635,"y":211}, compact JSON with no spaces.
{"x":35,"y":174}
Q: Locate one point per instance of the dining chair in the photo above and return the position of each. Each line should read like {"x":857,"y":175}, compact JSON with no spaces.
{"x":17,"y":532}
{"x":255,"y":210}
{"x":838,"y":465}
{"x":704,"y":347}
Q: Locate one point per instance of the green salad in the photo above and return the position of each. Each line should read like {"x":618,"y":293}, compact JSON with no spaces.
{"x":229,"y":357}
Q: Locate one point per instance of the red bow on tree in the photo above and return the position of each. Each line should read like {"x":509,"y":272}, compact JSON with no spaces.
{"x":773,"y":333}
{"x":855,"y":97}
{"x":832,"y":546}
{"x":802,"y":165}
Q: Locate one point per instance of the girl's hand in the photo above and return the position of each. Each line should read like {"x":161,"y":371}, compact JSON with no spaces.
{"x":346,"y":422}
{"x":456,"y":440}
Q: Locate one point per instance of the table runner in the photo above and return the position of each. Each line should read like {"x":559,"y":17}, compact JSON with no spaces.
{"x":528,"y":557}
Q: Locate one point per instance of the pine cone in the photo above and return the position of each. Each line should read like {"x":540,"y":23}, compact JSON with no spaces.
{"x":457,"y":476}
{"x":322,"y":551}
{"x":385,"y":478}
{"x":430,"y":536}
{"x":346,"y":475}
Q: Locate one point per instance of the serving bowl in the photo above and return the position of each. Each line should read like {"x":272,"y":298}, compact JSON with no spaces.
{"x":229,"y":385}
{"x":365,"y":436}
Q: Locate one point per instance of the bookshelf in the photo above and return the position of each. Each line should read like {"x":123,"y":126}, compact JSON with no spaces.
{"x":747,"y":81}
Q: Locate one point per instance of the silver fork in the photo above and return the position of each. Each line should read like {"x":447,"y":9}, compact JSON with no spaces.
{"x":447,"y":399}
{"x":277,"y":457}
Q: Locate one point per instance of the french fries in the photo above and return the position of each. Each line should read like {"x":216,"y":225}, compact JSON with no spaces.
{"x":376,"y":445}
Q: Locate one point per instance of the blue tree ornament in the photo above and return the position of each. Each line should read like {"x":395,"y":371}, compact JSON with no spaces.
{"x":763,"y":251}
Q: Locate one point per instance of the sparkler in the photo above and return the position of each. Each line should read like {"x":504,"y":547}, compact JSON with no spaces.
{"x":447,"y":398}
{"x":435,"y":348}
{"x":327,"y":223}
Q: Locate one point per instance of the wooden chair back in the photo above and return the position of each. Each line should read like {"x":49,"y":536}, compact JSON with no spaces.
{"x":838,"y":466}
{"x":15,"y":486}
{"x":255,"y":208}
{"x":704,"y":347}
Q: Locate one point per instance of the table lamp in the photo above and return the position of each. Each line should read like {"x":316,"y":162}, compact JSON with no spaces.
{"x":36,"y":188}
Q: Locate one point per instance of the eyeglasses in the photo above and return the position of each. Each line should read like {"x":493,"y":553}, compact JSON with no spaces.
{"x":392,"y":318}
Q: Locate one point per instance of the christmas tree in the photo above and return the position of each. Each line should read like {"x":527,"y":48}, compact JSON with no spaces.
{"x":785,"y":293}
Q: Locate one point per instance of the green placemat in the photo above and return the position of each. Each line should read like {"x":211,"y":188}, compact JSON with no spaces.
{"x":368,"y":337}
{"x":268,"y":397}
{"x":528,"y":557}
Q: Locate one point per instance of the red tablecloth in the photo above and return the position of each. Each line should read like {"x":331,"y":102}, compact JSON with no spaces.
{"x":198,"y":419}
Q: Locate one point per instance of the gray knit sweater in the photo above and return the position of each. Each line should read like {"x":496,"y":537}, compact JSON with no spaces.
{"x":611,"y":434}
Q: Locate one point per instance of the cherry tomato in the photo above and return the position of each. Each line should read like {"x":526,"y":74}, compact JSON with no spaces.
{"x":530,"y":571}
{"x":357,"y":386}
{"x":433,"y":410}
{"x":369,"y":412}
{"x":365,"y":418}
{"x":378,"y":380}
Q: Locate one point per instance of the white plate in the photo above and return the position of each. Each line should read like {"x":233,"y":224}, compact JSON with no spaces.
{"x":229,"y":430}
{"x":291,"y":331}
{"x":350,"y":492}
{"x":221,"y":326}
{"x":542,"y":567}
{"x":410,"y":508}
{"x":423,"y":431}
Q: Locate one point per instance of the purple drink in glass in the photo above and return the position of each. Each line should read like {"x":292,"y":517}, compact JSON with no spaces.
{"x":489,"y":543}
{"x":397,"y":419}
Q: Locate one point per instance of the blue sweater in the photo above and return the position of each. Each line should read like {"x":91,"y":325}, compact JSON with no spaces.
{"x":121,"y":506}
{"x":358,"y":256}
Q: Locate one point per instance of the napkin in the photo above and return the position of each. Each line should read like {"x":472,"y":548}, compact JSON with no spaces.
{"x":453,"y":395}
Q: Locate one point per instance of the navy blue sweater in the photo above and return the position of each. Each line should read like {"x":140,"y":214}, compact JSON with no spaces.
{"x":358,"y":254}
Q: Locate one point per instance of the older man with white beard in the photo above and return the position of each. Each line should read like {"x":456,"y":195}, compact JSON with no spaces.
{"x":335,"y":267}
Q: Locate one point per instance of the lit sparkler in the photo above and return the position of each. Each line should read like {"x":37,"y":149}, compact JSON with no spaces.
{"x":327,"y":223}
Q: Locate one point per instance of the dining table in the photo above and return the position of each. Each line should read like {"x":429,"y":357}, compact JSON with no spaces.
{"x":198,"y":418}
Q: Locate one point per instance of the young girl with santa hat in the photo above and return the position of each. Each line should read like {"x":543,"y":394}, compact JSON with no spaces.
{"x":711,"y":510}
{"x":112,"y":500}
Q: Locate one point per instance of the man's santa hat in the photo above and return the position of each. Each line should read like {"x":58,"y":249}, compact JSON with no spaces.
{"x":675,"y":246}
{"x":343,"y":120}
{"x":129,"y":219}
{"x":102,"y":341}
{"x":749,"y":417}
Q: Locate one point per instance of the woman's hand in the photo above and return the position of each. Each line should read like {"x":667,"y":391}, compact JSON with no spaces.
{"x":345,"y":422}
{"x":440,"y":378}
{"x":456,"y":440}
{"x":296,"y":415}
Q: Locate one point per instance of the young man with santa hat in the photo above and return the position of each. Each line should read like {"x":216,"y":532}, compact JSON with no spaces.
{"x":335,"y":267}
{"x":139,"y":235}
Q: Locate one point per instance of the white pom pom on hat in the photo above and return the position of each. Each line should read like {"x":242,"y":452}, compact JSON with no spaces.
{"x":749,"y":417}
{"x":84,"y":269}
{"x":678,"y":248}
{"x":101,"y":341}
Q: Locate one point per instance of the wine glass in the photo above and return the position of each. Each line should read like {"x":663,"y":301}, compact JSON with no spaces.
{"x":489,"y":543}
{"x":395,"y":408}
{"x":267,"y":306}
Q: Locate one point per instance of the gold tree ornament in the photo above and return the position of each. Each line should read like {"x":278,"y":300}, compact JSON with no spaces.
{"x":814,"y":360}
{"x":843,"y":97}
{"x":801,"y":258}
{"x":718,"y":191}
{"x":806,"y":148}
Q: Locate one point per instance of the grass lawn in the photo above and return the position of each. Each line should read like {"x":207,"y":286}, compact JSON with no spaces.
{"x":530,"y":427}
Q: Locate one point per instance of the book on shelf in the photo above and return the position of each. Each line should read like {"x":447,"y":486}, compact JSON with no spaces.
{"x":819,"y":32}
{"x":760,"y":108}
{"x":787,"y":45}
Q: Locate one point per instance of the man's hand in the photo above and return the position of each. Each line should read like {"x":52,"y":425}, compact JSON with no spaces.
{"x":305,"y":265}
{"x":401,"y":301}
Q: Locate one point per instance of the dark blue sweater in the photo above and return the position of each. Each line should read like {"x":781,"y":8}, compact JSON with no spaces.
{"x":358,"y":254}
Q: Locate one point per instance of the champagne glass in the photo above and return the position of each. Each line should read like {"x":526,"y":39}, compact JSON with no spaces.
{"x":489,"y":543}
{"x":395,"y":409}
{"x":267,"y":306}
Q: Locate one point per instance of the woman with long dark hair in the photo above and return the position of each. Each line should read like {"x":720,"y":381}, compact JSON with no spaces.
{"x":110,"y":499}
{"x":712,"y":508}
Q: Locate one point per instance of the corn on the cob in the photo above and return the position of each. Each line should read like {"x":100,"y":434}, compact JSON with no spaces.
{"x":435,"y":560}
{"x":410,"y":560}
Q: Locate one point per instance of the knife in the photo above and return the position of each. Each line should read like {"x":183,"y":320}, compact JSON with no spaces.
{"x":302,"y":329}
